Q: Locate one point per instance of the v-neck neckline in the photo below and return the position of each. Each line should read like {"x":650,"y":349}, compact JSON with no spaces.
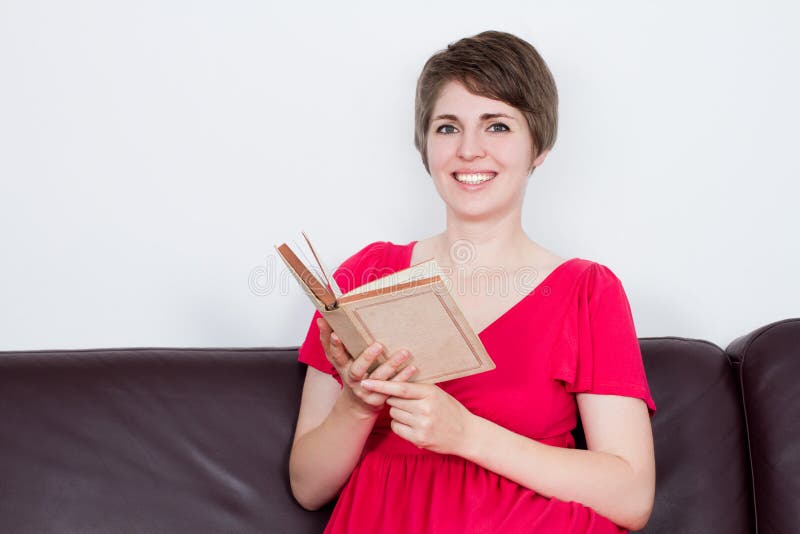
{"x":529,"y":295}
{"x":517,"y":304}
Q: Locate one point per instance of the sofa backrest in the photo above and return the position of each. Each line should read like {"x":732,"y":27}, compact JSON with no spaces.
{"x":702,"y":482}
{"x":149,"y":441}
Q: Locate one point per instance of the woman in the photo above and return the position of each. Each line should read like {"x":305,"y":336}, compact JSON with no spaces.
{"x":490,"y":452}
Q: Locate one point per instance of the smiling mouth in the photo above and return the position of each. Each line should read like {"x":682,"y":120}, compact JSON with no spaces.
{"x":473,"y":179}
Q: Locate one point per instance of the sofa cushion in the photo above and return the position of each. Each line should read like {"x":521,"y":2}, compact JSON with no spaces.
{"x":768,"y":360}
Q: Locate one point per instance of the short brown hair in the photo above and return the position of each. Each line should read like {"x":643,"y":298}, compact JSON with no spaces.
{"x":496,"y":65}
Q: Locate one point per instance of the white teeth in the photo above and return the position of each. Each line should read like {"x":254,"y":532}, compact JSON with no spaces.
{"x":473,"y":178}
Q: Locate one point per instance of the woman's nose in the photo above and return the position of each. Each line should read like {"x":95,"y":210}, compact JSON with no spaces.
{"x":471,"y":146}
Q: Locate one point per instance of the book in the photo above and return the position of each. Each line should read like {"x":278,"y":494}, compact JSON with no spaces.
{"x":411,"y":309}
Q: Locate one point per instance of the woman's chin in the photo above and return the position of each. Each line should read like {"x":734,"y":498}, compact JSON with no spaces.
{"x":478,"y":211}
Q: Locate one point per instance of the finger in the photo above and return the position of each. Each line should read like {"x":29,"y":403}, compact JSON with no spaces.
{"x":361,"y":365}
{"x":390,"y":367}
{"x":337,"y":351}
{"x":373,"y":399}
{"x":407,"y":405}
{"x":405,"y":374}
{"x":401,"y":416}
{"x":324,"y":333}
{"x":404,"y":431}
{"x":406,"y":390}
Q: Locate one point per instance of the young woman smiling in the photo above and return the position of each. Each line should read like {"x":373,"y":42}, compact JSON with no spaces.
{"x":491,"y":452}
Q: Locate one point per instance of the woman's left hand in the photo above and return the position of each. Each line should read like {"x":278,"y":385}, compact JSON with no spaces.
{"x":426,"y":415}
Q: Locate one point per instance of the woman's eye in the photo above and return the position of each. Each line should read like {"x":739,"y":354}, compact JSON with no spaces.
{"x":446,"y":129}
{"x":498,"y":127}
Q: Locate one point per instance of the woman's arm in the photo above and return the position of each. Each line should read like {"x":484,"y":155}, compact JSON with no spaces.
{"x":328,"y":441}
{"x":334,"y":422}
{"x":615,"y":477}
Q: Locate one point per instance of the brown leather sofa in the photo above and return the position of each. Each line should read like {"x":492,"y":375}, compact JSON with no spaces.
{"x":148,"y":440}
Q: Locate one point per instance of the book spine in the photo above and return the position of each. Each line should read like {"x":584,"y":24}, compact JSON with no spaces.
{"x":306,"y":278}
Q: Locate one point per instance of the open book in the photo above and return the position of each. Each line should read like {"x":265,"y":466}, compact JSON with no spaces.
{"x":411,"y":309}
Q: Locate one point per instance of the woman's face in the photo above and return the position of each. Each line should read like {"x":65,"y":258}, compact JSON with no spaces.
{"x":480,"y":153}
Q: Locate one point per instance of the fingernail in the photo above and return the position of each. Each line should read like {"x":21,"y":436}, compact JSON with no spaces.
{"x":334,"y":338}
{"x":375,"y":349}
{"x":366,"y":383}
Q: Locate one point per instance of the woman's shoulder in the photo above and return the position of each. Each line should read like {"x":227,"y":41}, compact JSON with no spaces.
{"x":594,"y":282}
{"x":588,"y":276}
{"x":590,"y":269}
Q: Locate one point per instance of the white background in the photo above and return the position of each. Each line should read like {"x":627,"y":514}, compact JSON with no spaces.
{"x":152,"y":152}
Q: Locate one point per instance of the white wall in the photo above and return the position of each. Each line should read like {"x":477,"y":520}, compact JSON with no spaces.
{"x":151,"y":153}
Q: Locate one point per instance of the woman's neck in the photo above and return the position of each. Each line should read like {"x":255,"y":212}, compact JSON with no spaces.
{"x":485,"y":243}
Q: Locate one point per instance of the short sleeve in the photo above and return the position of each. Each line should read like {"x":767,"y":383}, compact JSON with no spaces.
{"x":358,"y":269}
{"x":599,"y":352}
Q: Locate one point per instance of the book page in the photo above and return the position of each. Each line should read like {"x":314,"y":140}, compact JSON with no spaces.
{"x":331,"y":282}
{"x":420,"y":271}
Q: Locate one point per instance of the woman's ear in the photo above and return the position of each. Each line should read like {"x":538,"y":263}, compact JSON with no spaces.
{"x":539,"y":159}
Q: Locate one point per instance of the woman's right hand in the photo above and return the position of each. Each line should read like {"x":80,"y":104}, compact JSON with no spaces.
{"x":353,"y":370}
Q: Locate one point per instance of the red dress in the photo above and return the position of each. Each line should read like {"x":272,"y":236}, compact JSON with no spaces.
{"x":573,"y":333}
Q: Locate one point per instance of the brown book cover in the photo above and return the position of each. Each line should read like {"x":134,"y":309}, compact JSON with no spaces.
{"x":411,"y":309}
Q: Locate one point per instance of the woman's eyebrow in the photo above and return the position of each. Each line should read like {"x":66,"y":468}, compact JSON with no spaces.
{"x":446,"y":117}
{"x":484,"y":117}
{"x":488,"y":116}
